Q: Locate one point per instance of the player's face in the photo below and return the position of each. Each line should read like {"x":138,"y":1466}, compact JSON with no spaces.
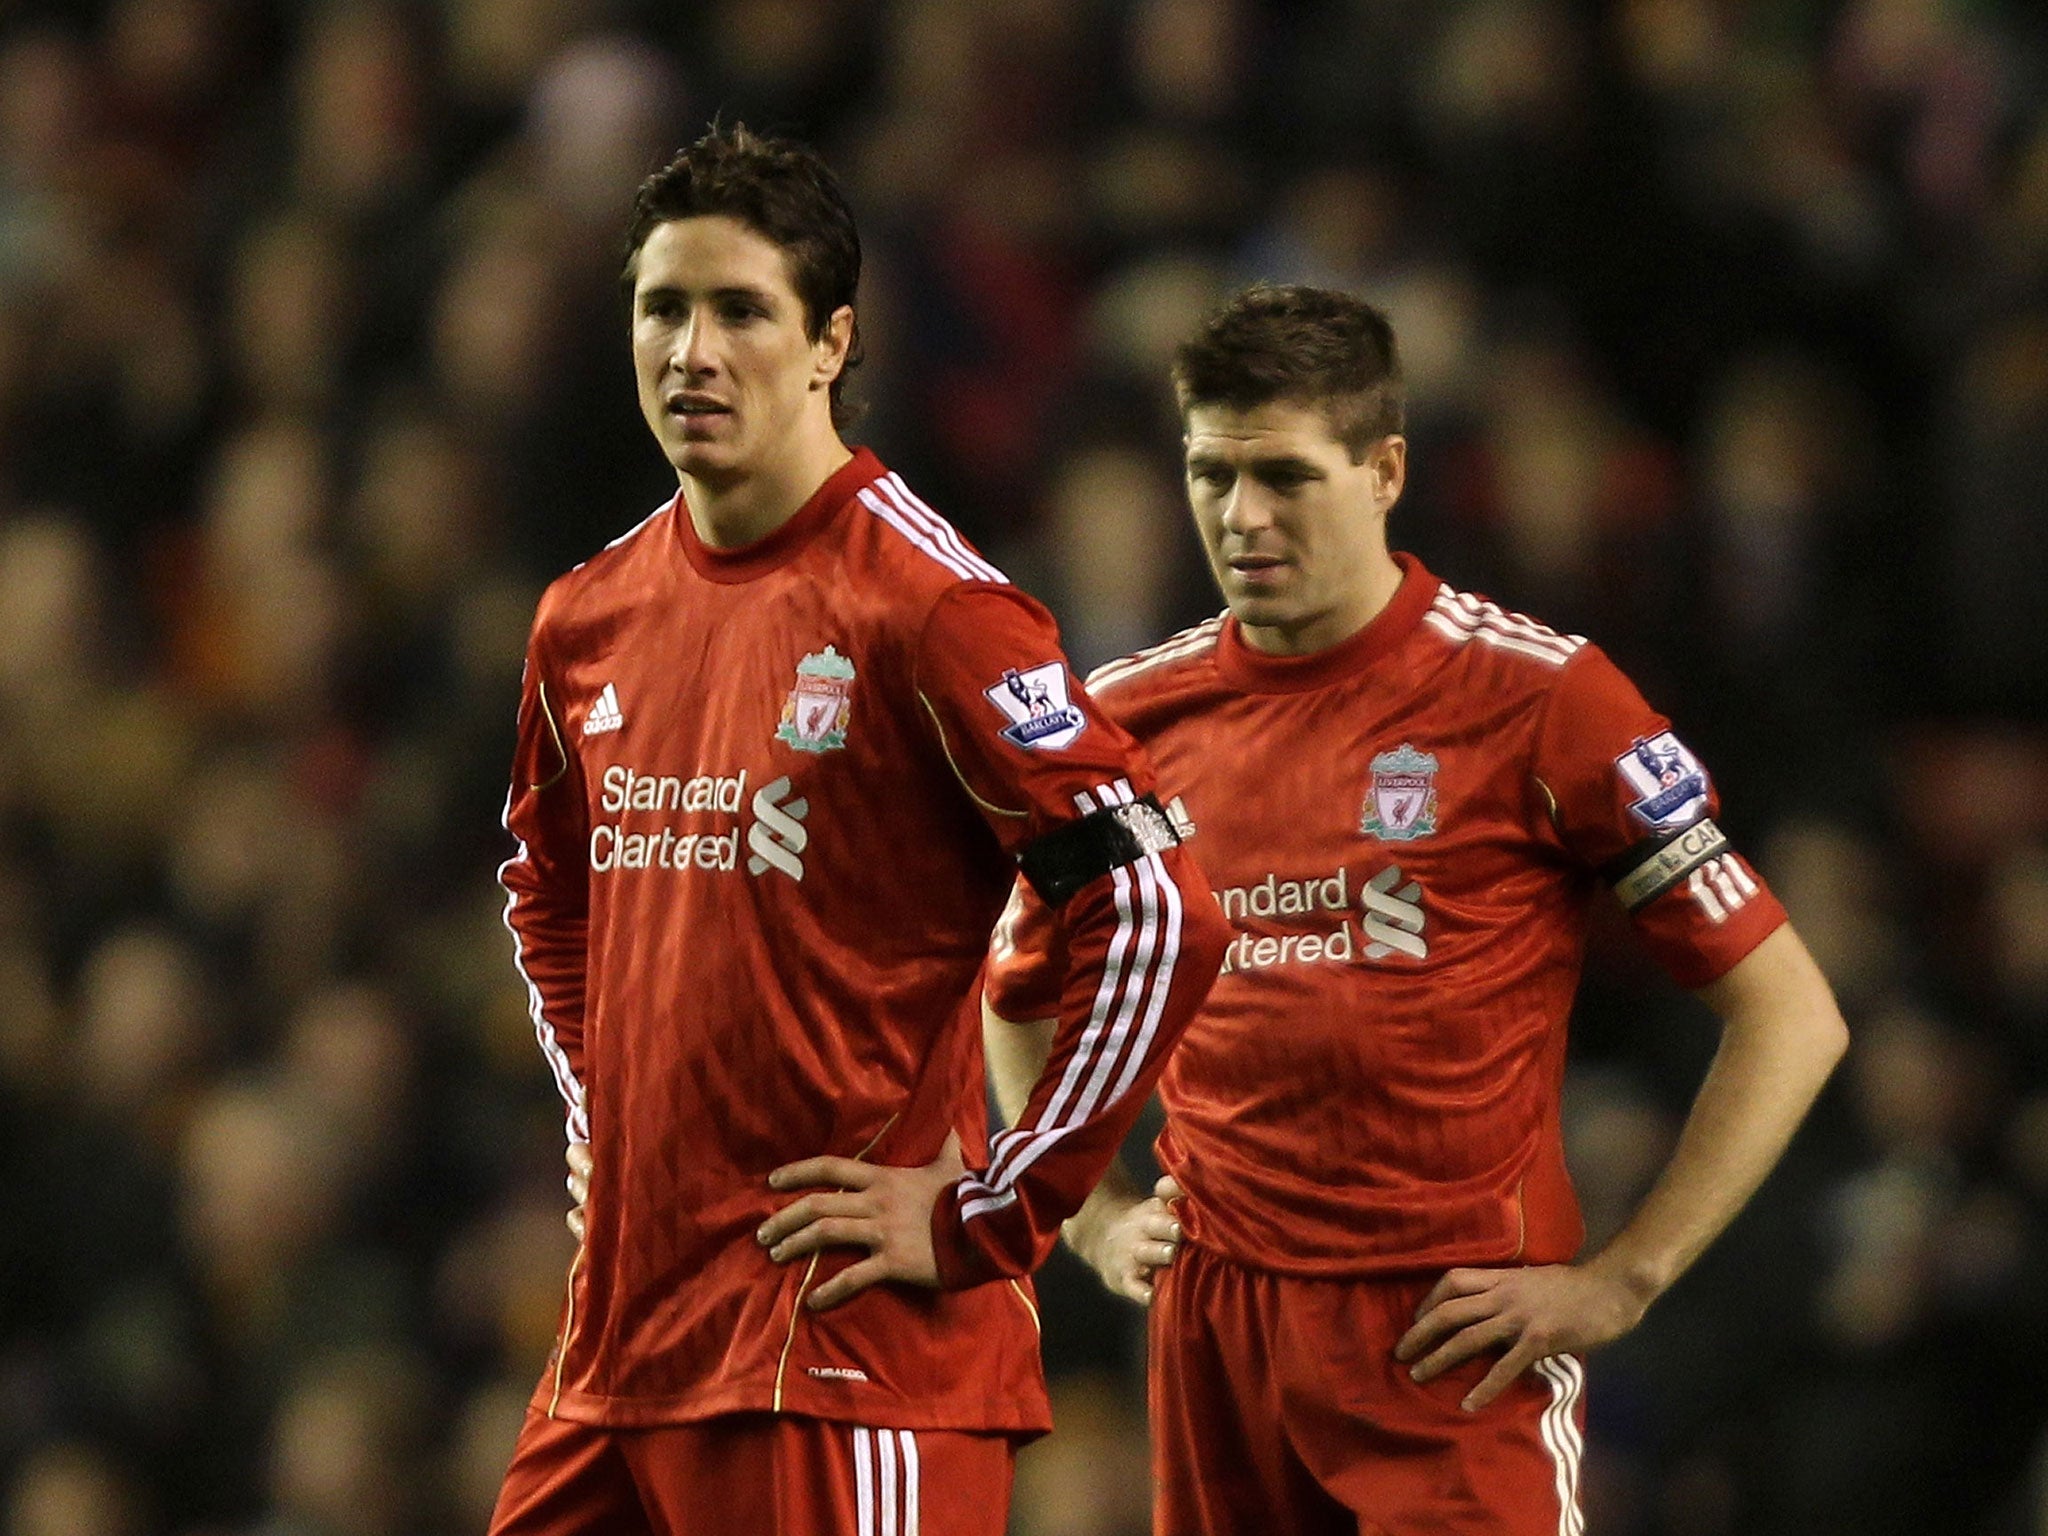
{"x":729,"y":381}
{"x":1295,"y":531}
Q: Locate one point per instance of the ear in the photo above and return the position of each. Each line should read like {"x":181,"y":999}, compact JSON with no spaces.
{"x":828,"y":352}
{"x":1388,"y":461}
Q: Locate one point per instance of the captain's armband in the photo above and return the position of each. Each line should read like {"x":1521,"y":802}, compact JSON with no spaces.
{"x":1650,"y":869}
{"x":1064,"y":860}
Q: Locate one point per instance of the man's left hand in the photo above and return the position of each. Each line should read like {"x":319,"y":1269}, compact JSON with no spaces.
{"x":1528,"y":1314}
{"x":887,"y":1211}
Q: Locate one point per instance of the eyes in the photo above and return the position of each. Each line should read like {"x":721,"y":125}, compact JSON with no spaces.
{"x":732,"y":310}
{"x":1283,"y":477}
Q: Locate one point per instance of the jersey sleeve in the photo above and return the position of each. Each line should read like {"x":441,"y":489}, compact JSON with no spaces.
{"x":1027,"y":959}
{"x":1144,"y":937}
{"x":1628,"y":798}
{"x":547,"y":887}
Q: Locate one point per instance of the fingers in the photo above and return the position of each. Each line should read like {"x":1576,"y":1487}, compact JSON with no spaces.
{"x":1442,"y":1320}
{"x":837,"y":1172}
{"x":577,"y":1156}
{"x":849,"y":1283}
{"x":1503,"y":1374}
{"x":1457,"y":1282}
{"x":1146,"y":1240}
{"x":825,"y":1232}
{"x":1461,"y":1346}
{"x":810,"y":1209}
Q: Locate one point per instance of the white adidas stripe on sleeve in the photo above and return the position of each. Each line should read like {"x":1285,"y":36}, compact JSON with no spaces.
{"x":1123,"y":1024}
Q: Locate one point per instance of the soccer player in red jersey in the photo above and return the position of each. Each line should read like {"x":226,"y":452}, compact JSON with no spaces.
{"x":782,"y":750}
{"x":1368,"y":1306}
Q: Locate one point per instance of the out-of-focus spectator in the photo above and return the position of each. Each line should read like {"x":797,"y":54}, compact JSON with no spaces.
{"x":72,"y":1489}
{"x":1726,"y":345}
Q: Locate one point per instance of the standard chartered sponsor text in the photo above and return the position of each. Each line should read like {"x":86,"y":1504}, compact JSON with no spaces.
{"x":1375,"y":920}
{"x":775,"y":839}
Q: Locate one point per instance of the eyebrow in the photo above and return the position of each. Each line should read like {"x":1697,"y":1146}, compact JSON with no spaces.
{"x":733,"y":291}
{"x":1255,"y":464}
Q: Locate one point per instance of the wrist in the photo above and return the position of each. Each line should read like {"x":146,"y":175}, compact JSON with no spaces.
{"x":1643,"y":1276}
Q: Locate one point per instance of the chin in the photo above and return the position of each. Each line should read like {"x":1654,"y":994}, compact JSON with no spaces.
{"x":705,"y":461}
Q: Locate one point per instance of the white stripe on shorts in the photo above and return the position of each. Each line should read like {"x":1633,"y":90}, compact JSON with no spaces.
{"x":1563,"y":1438}
{"x":886,"y":1481}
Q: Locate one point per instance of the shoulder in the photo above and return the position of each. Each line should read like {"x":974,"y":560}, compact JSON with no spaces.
{"x":1508,"y":650}
{"x":588,"y":582}
{"x":1158,"y":669}
{"x":913,"y":543}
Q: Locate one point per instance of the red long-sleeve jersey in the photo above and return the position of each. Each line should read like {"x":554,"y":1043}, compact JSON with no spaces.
{"x":1405,"y":831}
{"x":768,"y":802}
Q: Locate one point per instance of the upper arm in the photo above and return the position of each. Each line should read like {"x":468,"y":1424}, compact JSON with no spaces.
{"x":1630,"y":801}
{"x":1777,"y":986}
{"x":1030,"y":748}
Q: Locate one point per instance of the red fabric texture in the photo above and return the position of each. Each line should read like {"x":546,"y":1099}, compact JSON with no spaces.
{"x":1372,"y":1085}
{"x":768,"y":803}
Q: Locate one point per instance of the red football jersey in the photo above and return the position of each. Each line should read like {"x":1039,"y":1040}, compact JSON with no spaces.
{"x":767,"y":803}
{"x":1405,"y":831}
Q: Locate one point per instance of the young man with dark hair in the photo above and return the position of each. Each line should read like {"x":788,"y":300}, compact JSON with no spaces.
{"x":1367,"y":1311}
{"x":782,"y":749}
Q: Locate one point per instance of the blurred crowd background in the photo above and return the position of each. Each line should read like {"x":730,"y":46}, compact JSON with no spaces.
{"x":1727,"y":329}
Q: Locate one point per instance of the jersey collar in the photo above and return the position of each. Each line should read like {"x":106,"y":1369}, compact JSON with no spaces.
{"x":1254,"y":671}
{"x":747,"y":561}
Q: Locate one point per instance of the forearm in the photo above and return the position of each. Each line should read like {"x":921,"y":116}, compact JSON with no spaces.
{"x":1016,"y":1055}
{"x":1144,"y":943}
{"x":1781,"y":1036}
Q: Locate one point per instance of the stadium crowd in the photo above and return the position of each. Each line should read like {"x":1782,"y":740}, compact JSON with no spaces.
{"x":1727,"y":335}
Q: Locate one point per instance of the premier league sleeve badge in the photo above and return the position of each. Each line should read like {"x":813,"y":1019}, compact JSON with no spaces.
{"x":1670,"y":784}
{"x":1041,"y":712}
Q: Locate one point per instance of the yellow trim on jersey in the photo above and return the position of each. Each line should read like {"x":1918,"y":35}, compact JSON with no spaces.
{"x":796,"y":1306}
{"x":561,"y":752}
{"x":796,"y":1310}
{"x":568,"y":1329}
{"x":1029,"y":1306}
{"x":939,"y":726}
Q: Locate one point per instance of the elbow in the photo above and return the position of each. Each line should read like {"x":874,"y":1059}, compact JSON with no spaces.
{"x":1833,"y":1034}
{"x":1205,"y":932}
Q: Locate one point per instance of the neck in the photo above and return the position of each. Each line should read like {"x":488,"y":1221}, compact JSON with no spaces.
{"x":731,"y":510}
{"x":1366,"y":601}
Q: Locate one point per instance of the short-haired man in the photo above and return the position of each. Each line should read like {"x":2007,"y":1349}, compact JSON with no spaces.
{"x":1368,"y":1315}
{"x":782,"y":750}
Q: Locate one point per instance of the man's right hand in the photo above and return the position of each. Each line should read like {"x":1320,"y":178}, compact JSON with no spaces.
{"x":1128,"y":1241}
{"x":578,"y":1158}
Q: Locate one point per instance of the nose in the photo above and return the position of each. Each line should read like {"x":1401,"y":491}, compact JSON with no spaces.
{"x":1245,"y":511}
{"x":692,"y":353}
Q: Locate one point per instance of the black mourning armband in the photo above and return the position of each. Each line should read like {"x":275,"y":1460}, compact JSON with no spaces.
{"x":1650,"y":869}
{"x":1064,"y":860}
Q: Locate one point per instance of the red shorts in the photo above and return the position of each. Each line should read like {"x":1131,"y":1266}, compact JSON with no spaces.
{"x":753,"y":1475}
{"x":1277,"y":1405}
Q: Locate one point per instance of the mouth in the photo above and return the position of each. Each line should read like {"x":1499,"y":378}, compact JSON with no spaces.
{"x":1256,"y":567}
{"x":694,"y":407}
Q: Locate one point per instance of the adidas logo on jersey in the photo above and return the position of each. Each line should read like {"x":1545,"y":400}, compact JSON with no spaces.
{"x":604,"y":713}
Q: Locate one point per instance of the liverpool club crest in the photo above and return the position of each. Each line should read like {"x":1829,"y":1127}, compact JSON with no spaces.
{"x":1401,"y":805}
{"x":814,"y":715}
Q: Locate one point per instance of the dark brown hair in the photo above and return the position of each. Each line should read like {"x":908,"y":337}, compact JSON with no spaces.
{"x":782,"y":191}
{"x":1306,"y":346}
